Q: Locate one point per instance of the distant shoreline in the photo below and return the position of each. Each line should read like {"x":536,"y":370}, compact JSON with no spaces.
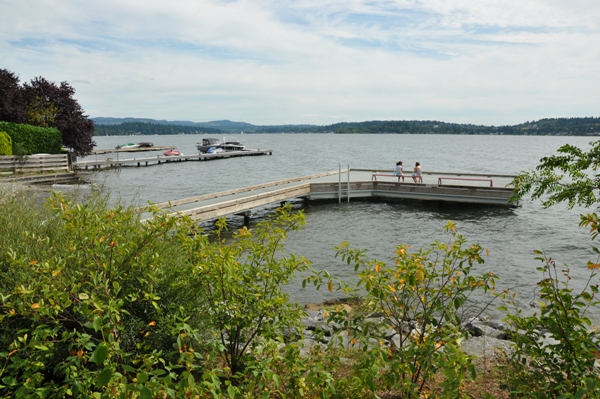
{"x":588,"y":126}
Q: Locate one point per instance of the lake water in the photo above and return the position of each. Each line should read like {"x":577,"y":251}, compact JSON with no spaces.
{"x":511,"y":235}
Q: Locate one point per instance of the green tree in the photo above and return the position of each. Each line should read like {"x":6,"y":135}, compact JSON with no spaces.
{"x":555,"y":345}
{"x":44,"y":103}
{"x":569,"y":177}
{"x":40,"y":113}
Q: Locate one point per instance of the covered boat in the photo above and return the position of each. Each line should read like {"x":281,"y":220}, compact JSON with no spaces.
{"x":227,"y":144}
{"x":127,"y":145}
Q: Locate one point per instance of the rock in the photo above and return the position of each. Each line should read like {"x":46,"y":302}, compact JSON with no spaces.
{"x":479,"y":329}
{"x":308,"y":345}
{"x":486,"y":347}
{"x":498,"y":325}
{"x":313,"y":313}
{"x":340,"y":340}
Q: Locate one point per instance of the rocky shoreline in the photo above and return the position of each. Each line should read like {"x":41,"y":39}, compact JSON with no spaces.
{"x":487,"y":339}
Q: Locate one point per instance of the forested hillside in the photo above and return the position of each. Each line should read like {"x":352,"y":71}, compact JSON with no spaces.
{"x":554,"y":126}
{"x":588,"y":126}
{"x":129,"y":128}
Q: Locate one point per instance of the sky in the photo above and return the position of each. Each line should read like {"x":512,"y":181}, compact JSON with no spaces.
{"x":273,"y":62}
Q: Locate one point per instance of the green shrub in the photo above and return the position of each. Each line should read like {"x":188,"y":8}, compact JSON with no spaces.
{"x":242,"y":285}
{"x":27,"y":139}
{"x":95,"y":303}
{"x":5,"y":144}
{"x":421,"y":297}
{"x":556,"y":347}
{"x":80,"y":304}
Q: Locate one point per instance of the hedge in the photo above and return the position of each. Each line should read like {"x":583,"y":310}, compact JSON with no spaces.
{"x":27,"y":139}
{"x":5,"y":144}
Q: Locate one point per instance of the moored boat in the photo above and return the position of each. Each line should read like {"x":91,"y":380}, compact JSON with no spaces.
{"x":227,"y":144}
{"x":172,"y":153}
{"x":127,"y":145}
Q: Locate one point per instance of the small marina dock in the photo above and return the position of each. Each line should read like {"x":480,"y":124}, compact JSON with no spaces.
{"x":118,"y":160}
{"x":347,"y":185}
{"x":136,"y":149}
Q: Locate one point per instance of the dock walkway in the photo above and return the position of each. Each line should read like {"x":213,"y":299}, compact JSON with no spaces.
{"x":116,"y":161}
{"x":345,"y":185}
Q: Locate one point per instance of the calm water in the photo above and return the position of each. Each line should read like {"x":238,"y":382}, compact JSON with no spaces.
{"x":511,"y":235}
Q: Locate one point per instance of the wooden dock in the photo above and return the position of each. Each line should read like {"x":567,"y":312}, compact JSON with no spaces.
{"x":346,"y":185}
{"x":116,"y":161}
{"x":136,"y":149}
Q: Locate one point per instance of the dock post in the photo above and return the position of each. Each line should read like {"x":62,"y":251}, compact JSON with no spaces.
{"x":247,"y":218}
{"x":348,"y":190}
{"x":339,"y":183}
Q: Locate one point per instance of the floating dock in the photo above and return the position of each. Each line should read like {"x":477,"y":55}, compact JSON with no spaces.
{"x":116,"y":161}
{"x":346,"y":185}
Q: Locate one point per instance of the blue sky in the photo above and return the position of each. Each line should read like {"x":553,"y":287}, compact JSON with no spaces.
{"x":265,"y":62}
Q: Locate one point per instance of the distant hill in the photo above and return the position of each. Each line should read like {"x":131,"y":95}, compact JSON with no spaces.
{"x":145,"y":128}
{"x":222,"y":126}
{"x":588,"y":126}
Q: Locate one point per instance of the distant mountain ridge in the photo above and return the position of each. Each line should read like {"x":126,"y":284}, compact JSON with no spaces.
{"x":585,"y":126}
{"x":225,"y":125}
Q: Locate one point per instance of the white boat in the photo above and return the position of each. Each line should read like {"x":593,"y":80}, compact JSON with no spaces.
{"x":227,"y":144}
{"x":127,"y":145}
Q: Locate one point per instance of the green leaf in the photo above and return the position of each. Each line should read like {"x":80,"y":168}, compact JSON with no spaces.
{"x":145,"y":393}
{"x":277,"y":380}
{"x":103,"y":377}
{"x":97,"y":323}
{"x":142,"y":377}
{"x":128,"y":368}
{"x":100,"y":354}
{"x":579,"y":394}
{"x":231,"y":391}
{"x":10,"y":381}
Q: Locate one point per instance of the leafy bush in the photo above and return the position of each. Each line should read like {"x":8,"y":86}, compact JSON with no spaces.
{"x":95,"y":303}
{"x":27,"y":139}
{"x":241,"y":285}
{"x":556,"y":347}
{"x":5,"y":144}
{"x":420,"y":298}
{"x":79,"y":301}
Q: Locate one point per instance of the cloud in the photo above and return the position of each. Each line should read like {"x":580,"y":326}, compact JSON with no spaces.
{"x":272,"y":62}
